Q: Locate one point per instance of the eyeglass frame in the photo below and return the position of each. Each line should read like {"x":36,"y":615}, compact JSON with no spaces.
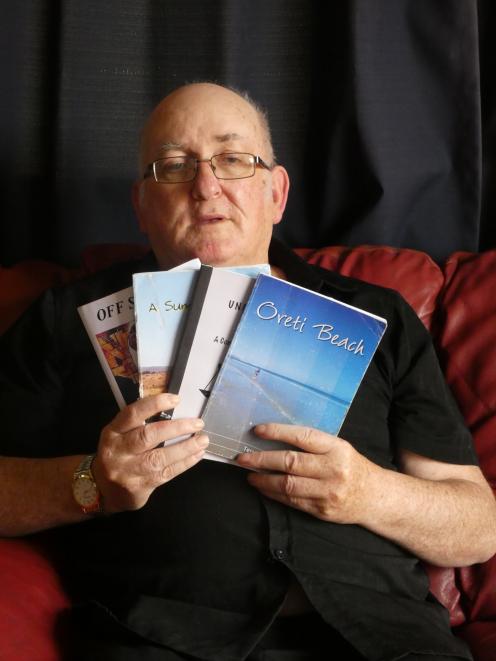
{"x":258,"y":162}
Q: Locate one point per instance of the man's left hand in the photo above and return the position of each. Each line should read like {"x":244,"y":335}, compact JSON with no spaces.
{"x":328,"y":480}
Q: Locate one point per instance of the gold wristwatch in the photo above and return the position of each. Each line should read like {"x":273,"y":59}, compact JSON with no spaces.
{"x":84,"y":488}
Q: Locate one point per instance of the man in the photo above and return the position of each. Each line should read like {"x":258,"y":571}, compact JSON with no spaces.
{"x":315,"y":555}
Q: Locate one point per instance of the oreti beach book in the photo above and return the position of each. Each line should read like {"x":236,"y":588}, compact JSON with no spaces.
{"x":297,"y":357}
{"x":109,"y":322}
{"x":161,"y":303}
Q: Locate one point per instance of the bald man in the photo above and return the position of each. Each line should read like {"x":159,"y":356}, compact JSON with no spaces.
{"x":315,"y":555}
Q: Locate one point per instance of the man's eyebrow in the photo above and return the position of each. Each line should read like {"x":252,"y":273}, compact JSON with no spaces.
{"x":224,"y":137}
{"x":227,"y":137}
{"x":168,"y":146}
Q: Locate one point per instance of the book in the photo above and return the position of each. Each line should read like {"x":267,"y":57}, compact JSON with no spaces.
{"x":219,"y":299}
{"x":161,"y":303}
{"x":109,"y":322}
{"x":297,"y":357}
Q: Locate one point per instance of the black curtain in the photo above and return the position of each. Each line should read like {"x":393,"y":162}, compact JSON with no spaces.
{"x":381,"y":110}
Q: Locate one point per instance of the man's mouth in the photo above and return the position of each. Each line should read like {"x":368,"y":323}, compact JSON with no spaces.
{"x":207,"y":219}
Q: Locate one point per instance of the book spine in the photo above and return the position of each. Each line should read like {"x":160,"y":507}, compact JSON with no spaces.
{"x":194,"y":312}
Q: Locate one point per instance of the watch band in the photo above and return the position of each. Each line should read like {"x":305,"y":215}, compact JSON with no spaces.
{"x":85,"y":465}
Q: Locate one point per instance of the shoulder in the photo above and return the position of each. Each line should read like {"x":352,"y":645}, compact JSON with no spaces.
{"x":405,"y":337}
{"x":54,"y":315}
{"x":382,"y":301}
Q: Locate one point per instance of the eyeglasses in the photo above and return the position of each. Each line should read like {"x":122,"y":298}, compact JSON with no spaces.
{"x":178,"y":169}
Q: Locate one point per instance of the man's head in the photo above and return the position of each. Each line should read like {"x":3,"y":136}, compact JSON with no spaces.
{"x":221,"y":221}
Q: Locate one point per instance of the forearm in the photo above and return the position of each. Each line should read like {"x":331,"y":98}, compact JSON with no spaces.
{"x":36,"y":494}
{"x":449,"y":522}
{"x":131,"y":463}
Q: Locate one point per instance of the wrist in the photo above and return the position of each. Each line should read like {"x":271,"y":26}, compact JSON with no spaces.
{"x":373,"y":489}
{"x":84,"y":488}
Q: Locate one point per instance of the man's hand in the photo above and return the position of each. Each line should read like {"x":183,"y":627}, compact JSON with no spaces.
{"x":328,"y":480}
{"x":131,"y":462}
{"x":443,"y":513}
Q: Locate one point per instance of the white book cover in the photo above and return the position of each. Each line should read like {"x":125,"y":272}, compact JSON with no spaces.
{"x":109,"y":322}
{"x":216,"y":307}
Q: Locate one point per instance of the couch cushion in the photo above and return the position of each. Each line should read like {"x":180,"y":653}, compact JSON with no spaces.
{"x":467,"y":348}
{"x":467,"y":345}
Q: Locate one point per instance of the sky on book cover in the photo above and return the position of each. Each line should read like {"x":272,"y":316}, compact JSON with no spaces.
{"x":294,"y":351}
{"x":303,"y":370}
{"x":161,"y":300}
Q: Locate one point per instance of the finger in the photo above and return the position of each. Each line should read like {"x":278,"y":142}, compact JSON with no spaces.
{"x":284,"y":461}
{"x":186,"y":462}
{"x":305,"y":438}
{"x":135,"y":414}
{"x":179,"y":451}
{"x":149,"y":436}
{"x":162,"y":464}
{"x":289,"y":486}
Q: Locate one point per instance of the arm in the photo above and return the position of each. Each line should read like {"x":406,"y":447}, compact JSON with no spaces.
{"x":37,"y":493}
{"x":443,"y":513}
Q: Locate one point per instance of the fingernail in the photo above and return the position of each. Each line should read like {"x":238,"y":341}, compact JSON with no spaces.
{"x":198,"y":423}
{"x":261,"y":429}
{"x":174,"y":399}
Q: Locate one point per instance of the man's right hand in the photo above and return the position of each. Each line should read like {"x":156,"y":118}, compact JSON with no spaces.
{"x":131,"y":462}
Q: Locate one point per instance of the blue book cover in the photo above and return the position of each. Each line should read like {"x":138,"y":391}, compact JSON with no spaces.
{"x":161,"y":303}
{"x":297,"y":357}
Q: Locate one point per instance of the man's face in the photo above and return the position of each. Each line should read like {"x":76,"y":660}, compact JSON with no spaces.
{"x":222,"y":222}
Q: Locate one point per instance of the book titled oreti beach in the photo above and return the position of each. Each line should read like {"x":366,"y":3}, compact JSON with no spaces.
{"x":297,"y":357}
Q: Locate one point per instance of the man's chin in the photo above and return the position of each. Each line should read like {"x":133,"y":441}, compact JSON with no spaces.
{"x":217,"y":256}
{"x":219,"y":253}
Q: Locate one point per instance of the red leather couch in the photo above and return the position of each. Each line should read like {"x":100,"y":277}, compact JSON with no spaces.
{"x":457,"y":303}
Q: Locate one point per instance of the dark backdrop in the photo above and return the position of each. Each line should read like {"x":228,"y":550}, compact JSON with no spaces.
{"x":382,"y":111}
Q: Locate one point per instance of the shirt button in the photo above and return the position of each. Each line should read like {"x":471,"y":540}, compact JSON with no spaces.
{"x":280,"y":554}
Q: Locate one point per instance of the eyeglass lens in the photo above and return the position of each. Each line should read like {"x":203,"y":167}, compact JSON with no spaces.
{"x":176,"y":169}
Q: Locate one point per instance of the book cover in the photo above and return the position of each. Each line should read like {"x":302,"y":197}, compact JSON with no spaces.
{"x":217,"y":304}
{"x":109,"y":322}
{"x":161,"y":302}
{"x":297,"y":357}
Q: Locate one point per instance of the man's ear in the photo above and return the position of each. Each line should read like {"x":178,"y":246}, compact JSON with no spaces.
{"x":137,"y":198}
{"x":280,"y":190}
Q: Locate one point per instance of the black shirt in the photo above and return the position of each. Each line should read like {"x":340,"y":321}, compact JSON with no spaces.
{"x":204,"y":567}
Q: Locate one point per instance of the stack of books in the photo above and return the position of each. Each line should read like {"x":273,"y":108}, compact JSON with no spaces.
{"x":239,"y":346}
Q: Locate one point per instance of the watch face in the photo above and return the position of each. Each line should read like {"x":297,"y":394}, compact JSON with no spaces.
{"x":85,"y":491}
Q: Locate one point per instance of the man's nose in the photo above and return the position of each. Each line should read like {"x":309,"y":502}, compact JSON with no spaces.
{"x":205,"y":184}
